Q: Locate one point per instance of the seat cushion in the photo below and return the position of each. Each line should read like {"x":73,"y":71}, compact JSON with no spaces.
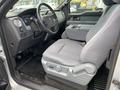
{"x":64,"y":52}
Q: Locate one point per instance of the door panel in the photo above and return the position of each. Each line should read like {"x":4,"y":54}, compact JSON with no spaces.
{"x":88,"y":17}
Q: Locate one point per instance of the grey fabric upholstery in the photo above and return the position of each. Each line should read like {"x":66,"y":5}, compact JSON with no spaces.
{"x":108,"y":31}
{"x":116,"y":1}
{"x":80,"y":31}
{"x":65,"y":52}
{"x":108,"y":2}
{"x":111,"y":2}
{"x":105,"y":10}
{"x":70,"y":60}
{"x":76,"y":32}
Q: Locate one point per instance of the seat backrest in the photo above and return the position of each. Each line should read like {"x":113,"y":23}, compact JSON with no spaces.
{"x":108,"y":6}
{"x":102,"y":37}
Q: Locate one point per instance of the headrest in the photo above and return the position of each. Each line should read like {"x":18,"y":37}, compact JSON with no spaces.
{"x":109,"y":2}
{"x":116,"y":1}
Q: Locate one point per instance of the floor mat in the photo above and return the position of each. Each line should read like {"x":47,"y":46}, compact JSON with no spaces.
{"x":34,"y":69}
{"x":99,"y":82}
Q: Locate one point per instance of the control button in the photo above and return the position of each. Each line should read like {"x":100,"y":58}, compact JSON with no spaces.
{"x":17,"y":23}
{"x":58,"y":68}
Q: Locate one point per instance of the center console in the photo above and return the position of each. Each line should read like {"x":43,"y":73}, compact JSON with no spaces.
{"x":77,"y":31}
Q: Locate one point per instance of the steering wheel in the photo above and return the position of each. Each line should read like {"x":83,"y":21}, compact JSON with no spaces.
{"x":47,"y":19}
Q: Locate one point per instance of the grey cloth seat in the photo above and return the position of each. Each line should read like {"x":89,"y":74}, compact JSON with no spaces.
{"x":76,"y":63}
{"x":79,"y":33}
{"x":65,"y":51}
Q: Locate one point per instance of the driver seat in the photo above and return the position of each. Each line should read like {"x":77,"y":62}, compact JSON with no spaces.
{"x":77,"y":63}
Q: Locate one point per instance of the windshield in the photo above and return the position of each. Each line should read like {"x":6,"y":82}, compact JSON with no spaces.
{"x":22,"y":5}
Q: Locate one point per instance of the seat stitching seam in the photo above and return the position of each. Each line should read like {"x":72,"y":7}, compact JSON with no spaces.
{"x":61,"y":48}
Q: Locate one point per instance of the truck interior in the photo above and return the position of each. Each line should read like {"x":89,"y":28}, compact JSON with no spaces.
{"x":62,"y":47}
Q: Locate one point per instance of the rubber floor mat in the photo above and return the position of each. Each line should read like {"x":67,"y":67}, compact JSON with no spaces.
{"x":99,"y":82}
{"x":34,"y":69}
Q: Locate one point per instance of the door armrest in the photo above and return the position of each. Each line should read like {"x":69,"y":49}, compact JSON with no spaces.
{"x":77,"y":32}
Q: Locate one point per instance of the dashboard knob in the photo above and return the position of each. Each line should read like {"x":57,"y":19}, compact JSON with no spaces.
{"x":17,"y":23}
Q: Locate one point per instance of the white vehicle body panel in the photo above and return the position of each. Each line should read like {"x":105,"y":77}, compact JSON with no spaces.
{"x":116,"y":74}
{"x":13,"y":84}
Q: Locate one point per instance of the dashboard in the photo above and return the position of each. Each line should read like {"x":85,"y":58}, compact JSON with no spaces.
{"x":23,"y":30}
